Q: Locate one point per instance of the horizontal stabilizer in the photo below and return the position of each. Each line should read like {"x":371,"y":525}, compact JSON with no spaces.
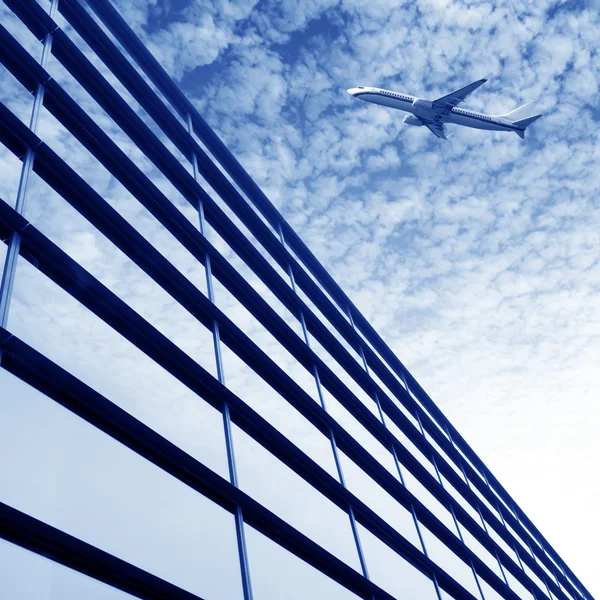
{"x":523,"y":123}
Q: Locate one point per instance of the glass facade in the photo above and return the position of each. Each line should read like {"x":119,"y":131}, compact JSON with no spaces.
{"x":191,"y":405}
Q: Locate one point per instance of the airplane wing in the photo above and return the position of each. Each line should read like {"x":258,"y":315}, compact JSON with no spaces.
{"x":437,"y":129}
{"x":458,"y":96}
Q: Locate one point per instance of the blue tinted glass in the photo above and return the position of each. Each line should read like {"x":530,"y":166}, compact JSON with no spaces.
{"x":378,"y":500}
{"x":284,"y":492}
{"x":61,"y":470}
{"x":450,"y":562}
{"x":273,"y":407}
{"x":51,"y":321}
{"x":277,"y":574}
{"x":28,"y":576}
{"x":392,"y":572}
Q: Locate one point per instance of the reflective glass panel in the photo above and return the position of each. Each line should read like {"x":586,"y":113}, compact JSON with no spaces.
{"x":282,"y":491}
{"x":378,"y":500}
{"x":52,"y":322}
{"x":28,"y":576}
{"x":450,"y":562}
{"x":392,"y":572}
{"x":61,"y":470}
{"x":277,"y":573}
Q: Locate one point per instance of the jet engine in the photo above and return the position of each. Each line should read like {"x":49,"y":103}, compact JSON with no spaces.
{"x":410,"y":120}
{"x":419,"y":103}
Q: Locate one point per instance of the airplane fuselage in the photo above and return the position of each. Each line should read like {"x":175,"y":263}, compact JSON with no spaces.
{"x":428,"y":111}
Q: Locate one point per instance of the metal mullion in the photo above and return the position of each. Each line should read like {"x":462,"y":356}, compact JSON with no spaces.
{"x":412,"y":508}
{"x":544,"y":579}
{"x":504,"y":523}
{"x":514,"y":545}
{"x":556,"y":578}
{"x":397,"y":463}
{"x":12,"y":254}
{"x":460,"y":461}
{"x":483,"y":523}
{"x":483,"y":520}
{"x":398,"y":467}
{"x":334,"y":449}
{"x":519,"y":558}
{"x":495,"y":551}
{"x":497,"y":501}
{"x":516,"y":551}
{"x":233,"y":478}
{"x":456,"y":524}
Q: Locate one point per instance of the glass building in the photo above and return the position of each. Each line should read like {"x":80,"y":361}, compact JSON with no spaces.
{"x":191,"y":406}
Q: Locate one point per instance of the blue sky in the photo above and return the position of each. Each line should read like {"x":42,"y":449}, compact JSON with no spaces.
{"x":476,"y":259}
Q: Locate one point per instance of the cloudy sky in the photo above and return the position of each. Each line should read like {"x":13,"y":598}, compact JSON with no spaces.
{"x":477,"y":259}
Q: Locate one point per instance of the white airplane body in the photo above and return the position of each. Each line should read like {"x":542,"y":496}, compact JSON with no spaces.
{"x":434,"y":114}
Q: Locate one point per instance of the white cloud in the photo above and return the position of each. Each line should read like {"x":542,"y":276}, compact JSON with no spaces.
{"x":184,"y":46}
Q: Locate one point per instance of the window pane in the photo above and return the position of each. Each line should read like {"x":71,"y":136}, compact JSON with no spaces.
{"x":377,"y":499}
{"x":265,"y":340}
{"x":61,"y":470}
{"x":277,"y":574}
{"x":480,"y":551}
{"x":391,"y":572}
{"x":429,"y":500}
{"x":261,"y":397}
{"x":359,"y":433}
{"x":281,"y":490}
{"x":447,"y":560}
{"x":518,"y":588}
{"x":489,"y":593}
{"x":28,"y":576}
{"x":344,"y":376}
{"x":10,"y":167}
{"x":51,"y":321}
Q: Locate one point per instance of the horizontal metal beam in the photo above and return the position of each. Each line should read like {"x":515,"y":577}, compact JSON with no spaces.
{"x":45,"y":540}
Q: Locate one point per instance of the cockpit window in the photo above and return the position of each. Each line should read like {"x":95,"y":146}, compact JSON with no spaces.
{"x":360,"y":87}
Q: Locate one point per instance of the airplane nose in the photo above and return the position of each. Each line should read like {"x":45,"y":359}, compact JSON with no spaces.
{"x":355,"y":90}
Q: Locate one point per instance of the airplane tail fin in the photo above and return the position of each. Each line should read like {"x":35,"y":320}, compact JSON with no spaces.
{"x":519,"y":113}
{"x":522,"y":118}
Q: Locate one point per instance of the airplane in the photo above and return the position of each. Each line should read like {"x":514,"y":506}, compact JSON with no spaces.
{"x":435,"y":114}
